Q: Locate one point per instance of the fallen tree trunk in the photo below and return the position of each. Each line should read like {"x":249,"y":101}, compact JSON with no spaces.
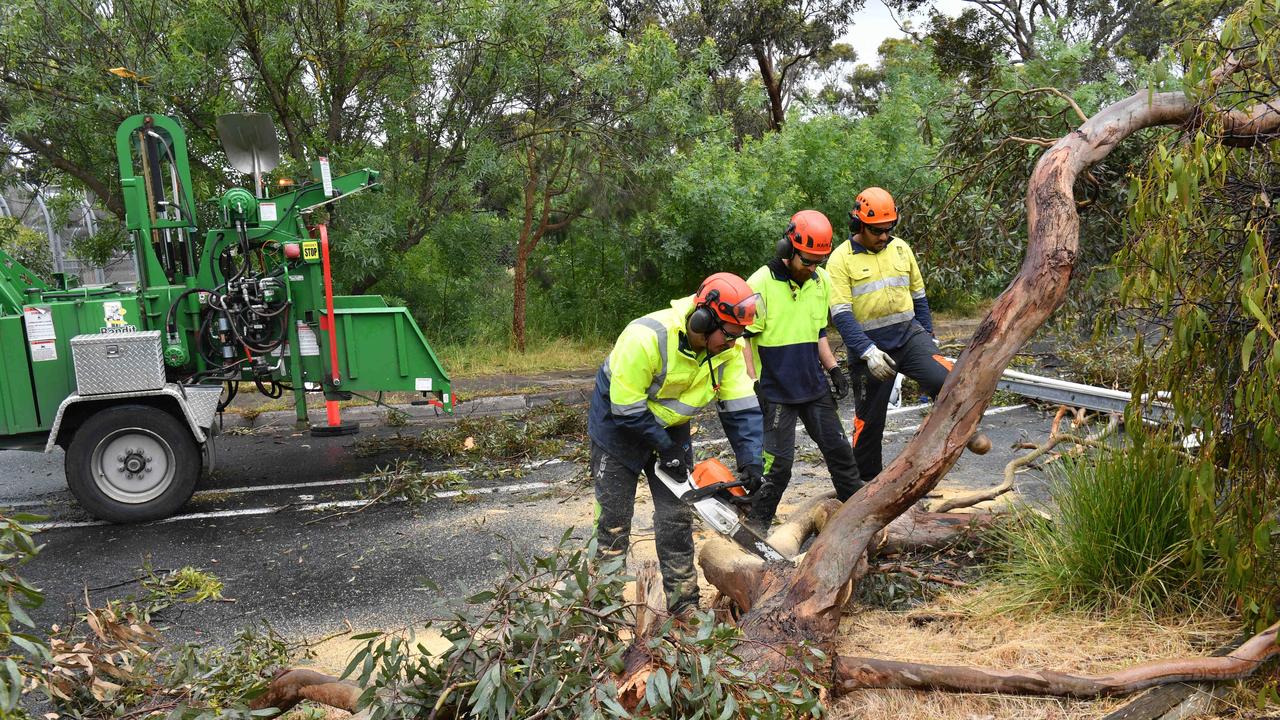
{"x":806,"y":602}
{"x":859,"y":673}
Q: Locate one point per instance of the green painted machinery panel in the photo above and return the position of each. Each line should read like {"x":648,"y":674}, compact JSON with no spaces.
{"x":17,"y":398}
{"x":49,"y":328}
{"x":381,"y":348}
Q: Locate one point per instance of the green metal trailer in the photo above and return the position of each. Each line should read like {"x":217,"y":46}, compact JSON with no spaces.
{"x":129,"y":381}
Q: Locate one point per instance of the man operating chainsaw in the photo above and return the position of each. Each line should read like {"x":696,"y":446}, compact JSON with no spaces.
{"x":799,"y":375}
{"x":664,"y":368}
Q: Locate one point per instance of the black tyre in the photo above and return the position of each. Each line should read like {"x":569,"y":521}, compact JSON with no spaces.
{"x":132,"y":463}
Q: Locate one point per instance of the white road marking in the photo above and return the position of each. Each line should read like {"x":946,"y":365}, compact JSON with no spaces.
{"x":898,"y":411}
{"x":300,"y":508}
{"x":54,"y":525}
{"x":26,"y":503}
{"x":348,"y":481}
{"x":990,"y":411}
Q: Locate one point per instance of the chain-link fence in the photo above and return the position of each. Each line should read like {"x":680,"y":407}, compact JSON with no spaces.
{"x":65,"y":219}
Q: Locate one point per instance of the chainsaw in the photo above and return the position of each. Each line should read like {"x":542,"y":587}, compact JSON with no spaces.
{"x":712,"y":490}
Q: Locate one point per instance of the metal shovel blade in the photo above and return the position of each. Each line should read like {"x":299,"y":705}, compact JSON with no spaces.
{"x":249,"y":139}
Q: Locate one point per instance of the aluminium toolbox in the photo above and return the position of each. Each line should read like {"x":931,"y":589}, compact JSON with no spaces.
{"x":118,"y":362}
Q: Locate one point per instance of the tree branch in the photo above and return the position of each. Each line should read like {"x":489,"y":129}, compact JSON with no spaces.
{"x":859,"y":673}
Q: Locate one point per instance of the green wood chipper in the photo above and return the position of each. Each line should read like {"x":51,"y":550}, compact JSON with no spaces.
{"x":129,"y":381}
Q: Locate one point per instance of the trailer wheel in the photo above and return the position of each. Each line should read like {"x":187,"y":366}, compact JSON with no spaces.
{"x":132,"y":463}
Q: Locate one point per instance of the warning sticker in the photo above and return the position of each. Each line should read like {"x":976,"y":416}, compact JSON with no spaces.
{"x":307,"y":344}
{"x":310,"y":250}
{"x":42,"y":350}
{"x":41,"y":335}
{"x":422,"y":384}
{"x":267,"y":212}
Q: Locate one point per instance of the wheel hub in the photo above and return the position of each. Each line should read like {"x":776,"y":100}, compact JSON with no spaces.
{"x":134,"y":462}
{"x":133,"y":465}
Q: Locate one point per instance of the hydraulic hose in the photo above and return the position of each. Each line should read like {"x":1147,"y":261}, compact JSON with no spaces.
{"x":169,"y":324}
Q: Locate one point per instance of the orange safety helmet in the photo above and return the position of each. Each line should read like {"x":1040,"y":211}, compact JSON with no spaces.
{"x":810,"y":232}
{"x":723,"y":298}
{"x":873,"y":206}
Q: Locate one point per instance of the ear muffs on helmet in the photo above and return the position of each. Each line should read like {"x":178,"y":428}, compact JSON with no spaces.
{"x":855,"y":222}
{"x":703,"y":320}
{"x":784,"y":250}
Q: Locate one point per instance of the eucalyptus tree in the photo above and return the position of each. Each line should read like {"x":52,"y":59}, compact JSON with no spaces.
{"x":585,"y":109}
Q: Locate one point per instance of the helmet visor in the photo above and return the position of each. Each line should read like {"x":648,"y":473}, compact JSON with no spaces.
{"x":742,"y":312}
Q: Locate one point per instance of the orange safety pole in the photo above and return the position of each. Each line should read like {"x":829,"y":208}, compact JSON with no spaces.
{"x":332,"y":411}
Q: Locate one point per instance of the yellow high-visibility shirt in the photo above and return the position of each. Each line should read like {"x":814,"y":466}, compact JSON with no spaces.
{"x":879,"y":290}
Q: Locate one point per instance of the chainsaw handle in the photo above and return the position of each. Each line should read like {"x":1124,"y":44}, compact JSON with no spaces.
{"x":709,"y":490}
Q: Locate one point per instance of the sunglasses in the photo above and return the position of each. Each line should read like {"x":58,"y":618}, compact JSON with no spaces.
{"x":879,"y":230}
{"x":731,"y":336}
{"x":810,"y":263}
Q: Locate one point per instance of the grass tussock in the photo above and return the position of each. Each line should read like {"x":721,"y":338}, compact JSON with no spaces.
{"x":971,"y":628}
{"x":1119,"y":537}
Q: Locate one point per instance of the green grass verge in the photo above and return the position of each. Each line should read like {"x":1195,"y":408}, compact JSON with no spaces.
{"x":482,"y":357}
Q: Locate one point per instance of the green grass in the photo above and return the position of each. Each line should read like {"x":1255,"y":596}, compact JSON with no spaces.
{"x":1118,"y":538}
{"x":478,"y":358}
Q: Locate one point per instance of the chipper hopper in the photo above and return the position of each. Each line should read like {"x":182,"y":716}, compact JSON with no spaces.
{"x":129,"y":381}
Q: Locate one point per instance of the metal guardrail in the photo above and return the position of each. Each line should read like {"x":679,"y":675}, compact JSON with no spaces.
{"x":1064,"y":392}
{"x":1073,"y":394}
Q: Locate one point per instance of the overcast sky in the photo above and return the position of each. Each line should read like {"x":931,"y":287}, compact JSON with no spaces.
{"x":874,"y":23}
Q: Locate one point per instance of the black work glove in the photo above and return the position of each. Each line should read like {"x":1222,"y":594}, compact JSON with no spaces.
{"x":839,"y":382}
{"x":751,"y":477}
{"x":857,"y":380}
{"x":672,"y":462}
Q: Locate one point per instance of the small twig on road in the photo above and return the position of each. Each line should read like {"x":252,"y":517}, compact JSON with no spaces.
{"x":348,"y":631}
{"x":122,"y":583}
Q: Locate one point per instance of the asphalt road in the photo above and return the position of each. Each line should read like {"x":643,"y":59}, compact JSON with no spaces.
{"x":261,"y":525}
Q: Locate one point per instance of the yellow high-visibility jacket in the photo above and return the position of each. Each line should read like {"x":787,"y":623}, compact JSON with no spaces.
{"x":790,"y":319}
{"x":877,"y":296}
{"x":653,"y":381}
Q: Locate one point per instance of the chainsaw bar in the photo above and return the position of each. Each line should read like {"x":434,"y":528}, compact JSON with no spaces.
{"x":721,"y":516}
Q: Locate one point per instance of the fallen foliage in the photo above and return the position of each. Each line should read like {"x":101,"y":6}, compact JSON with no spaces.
{"x":552,"y":430}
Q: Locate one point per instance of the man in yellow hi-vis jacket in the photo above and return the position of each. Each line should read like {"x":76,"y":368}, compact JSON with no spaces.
{"x":881,"y":312}
{"x":664,"y":368}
